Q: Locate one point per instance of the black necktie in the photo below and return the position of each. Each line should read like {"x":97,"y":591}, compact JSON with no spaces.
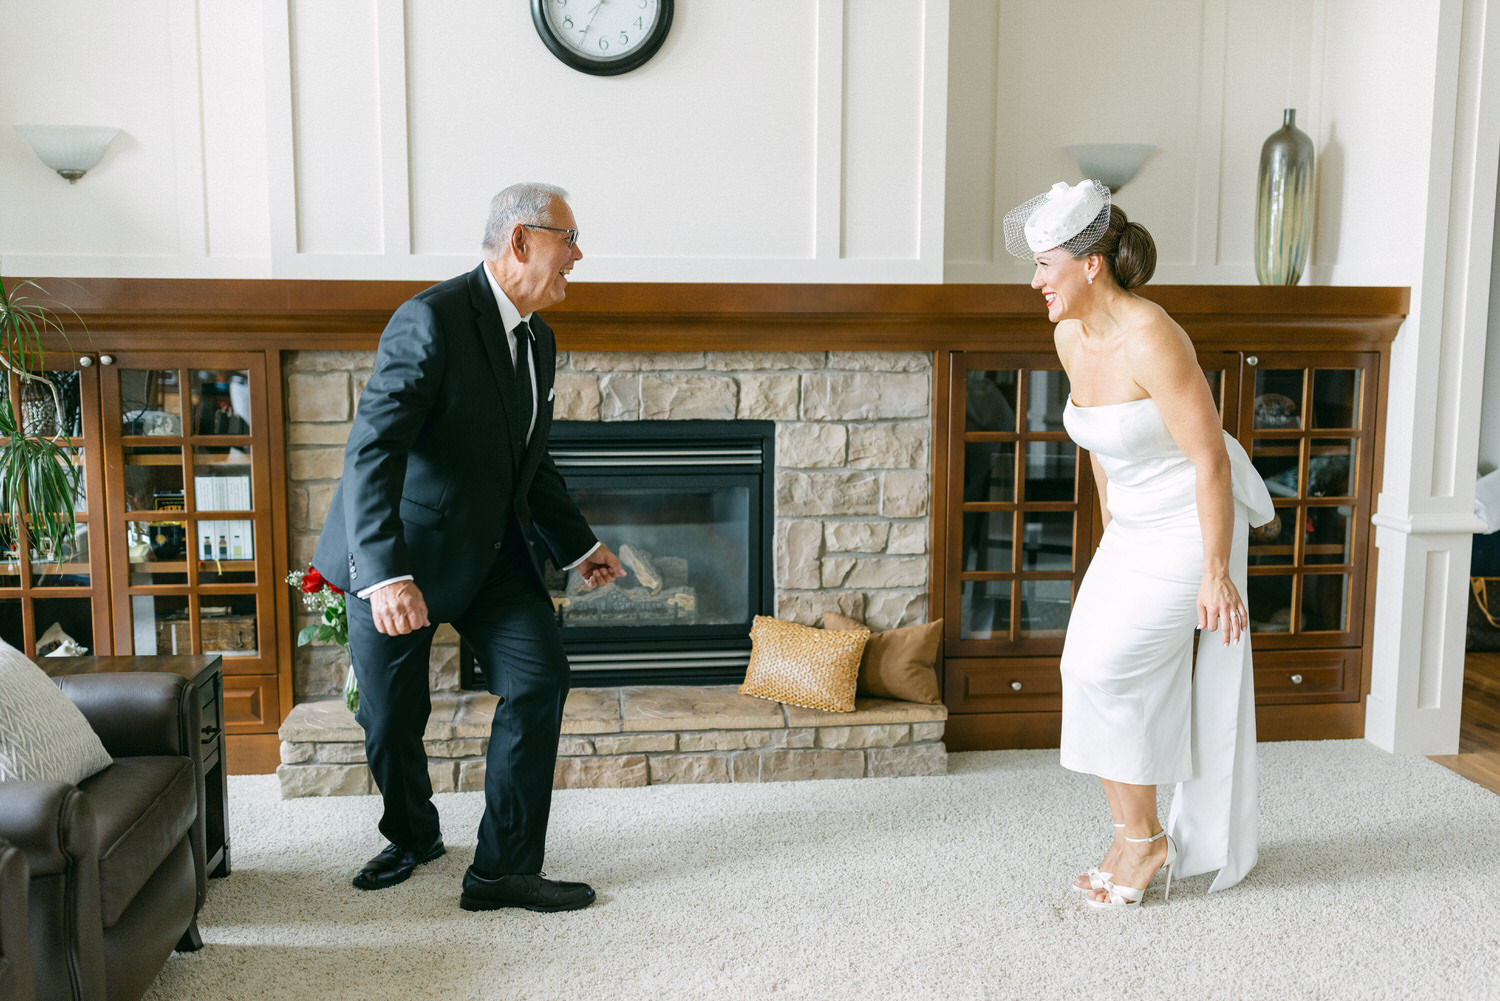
{"x":526,"y":405}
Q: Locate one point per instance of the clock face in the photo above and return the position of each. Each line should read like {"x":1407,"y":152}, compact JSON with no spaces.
{"x":603,"y":37}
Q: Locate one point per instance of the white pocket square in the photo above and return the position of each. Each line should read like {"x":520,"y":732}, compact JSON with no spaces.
{"x":550,"y":394}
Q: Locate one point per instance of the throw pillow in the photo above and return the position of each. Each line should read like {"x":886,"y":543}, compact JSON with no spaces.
{"x":803,"y":666}
{"x":43,"y":736}
{"x":898,"y":663}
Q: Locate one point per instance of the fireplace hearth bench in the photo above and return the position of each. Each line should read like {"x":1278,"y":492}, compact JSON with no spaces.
{"x":636,"y":736}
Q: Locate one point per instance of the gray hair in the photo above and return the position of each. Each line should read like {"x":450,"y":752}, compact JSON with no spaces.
{"x":526,"y":202}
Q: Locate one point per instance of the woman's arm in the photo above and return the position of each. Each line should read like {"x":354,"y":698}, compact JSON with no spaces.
{"x":1162,"y":361}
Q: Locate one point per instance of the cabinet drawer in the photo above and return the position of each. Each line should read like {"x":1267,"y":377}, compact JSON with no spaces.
{"x":1286,"y":676}
{"x":1002,"y":684}
{"x":251,"y":703}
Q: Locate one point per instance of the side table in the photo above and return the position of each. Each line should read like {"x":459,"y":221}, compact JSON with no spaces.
{"x":205,"y":672}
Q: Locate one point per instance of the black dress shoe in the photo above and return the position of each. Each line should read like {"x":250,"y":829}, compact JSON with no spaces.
{"x":393,"y":865}
{"x":533,"y":891}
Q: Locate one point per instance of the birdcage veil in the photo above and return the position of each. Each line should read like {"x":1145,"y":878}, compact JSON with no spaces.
{"x":1066,"y":217}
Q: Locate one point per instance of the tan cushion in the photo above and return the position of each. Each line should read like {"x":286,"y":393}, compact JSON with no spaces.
{"x":803,"y":666}
{"x":898,"y":663}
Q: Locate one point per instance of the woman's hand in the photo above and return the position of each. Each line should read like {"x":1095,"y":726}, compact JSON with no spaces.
{"x":1220,"y":608}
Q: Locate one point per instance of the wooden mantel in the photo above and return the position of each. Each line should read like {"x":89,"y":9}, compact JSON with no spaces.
{"x":349,"y":315}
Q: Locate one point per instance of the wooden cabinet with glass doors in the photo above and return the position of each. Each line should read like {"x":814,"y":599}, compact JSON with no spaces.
{"x":175,"y":529}
{"x":1021,"y":521}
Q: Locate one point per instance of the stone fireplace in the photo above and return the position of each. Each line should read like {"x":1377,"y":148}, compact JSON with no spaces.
{"x":849,"y":529}
{"x":852,"y":439}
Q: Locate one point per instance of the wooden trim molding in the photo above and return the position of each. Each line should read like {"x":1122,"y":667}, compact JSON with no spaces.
{"x":607,"y":316}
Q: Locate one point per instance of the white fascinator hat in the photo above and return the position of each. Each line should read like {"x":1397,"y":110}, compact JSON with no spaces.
{"x":1070,"y":218}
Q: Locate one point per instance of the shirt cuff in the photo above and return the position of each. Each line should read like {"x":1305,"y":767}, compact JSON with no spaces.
{"x":365,"y":594}
{"x":585,"y":556}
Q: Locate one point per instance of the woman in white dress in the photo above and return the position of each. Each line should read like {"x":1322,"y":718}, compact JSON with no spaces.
{"x":1177,"y":495}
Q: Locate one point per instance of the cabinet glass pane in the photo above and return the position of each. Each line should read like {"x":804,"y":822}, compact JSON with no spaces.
{"x":156,"y":542}
{"x":153,"y":478}
{"x":221,"y":402}
{"x":1329,"y":534}
{"x":1325,"y":602}
{"x":10,"y":614}
{"x":222,"y":482}
{"x":1047,"y":540}
{"x":224,"y":539}
{"x":69,"y":568}
{"x":64,"y":624}
{"x":1335,"y":402}
{"x":1045,"y":605}
{"x":159,"y":624}
{"x":1279,"y":464}
{"x":1051,"y":467}
{"x":51,"y":408}
{"x":1047,"y":393}
{"x":228,"y":625}
{"x":1273,"y":544}
{"x":150,"y":402}
{"x":1331,"y":467}
{"x":990,"y":472}
{"x":990,"y":401}
{"x":1270,"y":604}
{"x":988,"y":537}
{"x":985,"y":610}
{"x":1278,"y":398}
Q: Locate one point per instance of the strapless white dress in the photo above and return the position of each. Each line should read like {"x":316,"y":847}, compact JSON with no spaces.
{"x":1136,"y":709}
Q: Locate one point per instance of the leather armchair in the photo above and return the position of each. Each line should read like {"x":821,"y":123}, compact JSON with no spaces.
{"x":16,"y":981}
{"x":117,"y":862}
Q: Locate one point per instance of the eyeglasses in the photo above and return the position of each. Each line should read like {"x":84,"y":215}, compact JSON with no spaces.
{"x":571,"y":234}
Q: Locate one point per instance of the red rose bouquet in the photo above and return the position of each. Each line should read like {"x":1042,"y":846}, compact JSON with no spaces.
{"x":327,"y":600}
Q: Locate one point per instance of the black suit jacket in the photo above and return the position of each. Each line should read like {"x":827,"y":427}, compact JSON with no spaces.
{"x":434,"y":469}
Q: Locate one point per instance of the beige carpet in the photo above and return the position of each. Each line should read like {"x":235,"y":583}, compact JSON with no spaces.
{"x":1379,"y":878}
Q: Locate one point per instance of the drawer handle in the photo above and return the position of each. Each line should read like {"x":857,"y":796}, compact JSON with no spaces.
{"x":1296,"y":679}
{"x":1015,"y":686}
{"x":210,"y":732}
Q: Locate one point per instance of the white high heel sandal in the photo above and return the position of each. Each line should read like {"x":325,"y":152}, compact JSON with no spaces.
{"x":1125,"y":896}
{"x":1096,"y":877}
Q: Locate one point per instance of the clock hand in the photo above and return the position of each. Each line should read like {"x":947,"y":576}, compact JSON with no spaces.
{"x":593,"y":13}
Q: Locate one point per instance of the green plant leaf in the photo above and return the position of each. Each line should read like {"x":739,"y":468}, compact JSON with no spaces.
{"x":38,"y":476}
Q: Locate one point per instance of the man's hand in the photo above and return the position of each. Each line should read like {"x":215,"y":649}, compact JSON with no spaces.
{"x":600,"y":568}
{"x":399,"y":608}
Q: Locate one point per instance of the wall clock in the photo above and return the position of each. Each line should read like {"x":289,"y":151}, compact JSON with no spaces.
{"x":603,"y":37}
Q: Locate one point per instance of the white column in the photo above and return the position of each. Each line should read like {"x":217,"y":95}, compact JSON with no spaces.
{"x":1425,"y":520}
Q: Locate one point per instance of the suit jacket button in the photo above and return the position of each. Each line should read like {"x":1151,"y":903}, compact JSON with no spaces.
{"x":497,"y":545}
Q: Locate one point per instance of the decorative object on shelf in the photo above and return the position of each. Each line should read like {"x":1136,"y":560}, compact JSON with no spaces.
{"x":1284,"y":204}
{"x":328,"y":601}
{"x":605,"y":39}
{"x":39,"y":482}
{"x":1111,"y":164}
{"x":71,"y":150}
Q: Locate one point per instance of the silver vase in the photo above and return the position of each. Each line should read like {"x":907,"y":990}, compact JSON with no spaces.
{"x":1284,"y":204}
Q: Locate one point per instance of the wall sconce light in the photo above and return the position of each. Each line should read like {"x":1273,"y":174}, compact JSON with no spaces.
{"x":1113,"y":164}
{"x":71,"y":150}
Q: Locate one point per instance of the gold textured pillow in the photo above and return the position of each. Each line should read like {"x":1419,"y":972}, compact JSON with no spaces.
{"x":803,"y":666}
{"x":898,"y":663}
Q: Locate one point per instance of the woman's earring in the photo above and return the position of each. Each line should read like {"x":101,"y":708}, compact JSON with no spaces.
{"x":1090,"y":278}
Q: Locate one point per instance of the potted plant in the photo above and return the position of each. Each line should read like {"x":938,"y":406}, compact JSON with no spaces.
{"x":39,"y":479}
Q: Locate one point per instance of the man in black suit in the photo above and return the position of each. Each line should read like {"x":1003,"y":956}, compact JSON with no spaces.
{"x":446,"y":477}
